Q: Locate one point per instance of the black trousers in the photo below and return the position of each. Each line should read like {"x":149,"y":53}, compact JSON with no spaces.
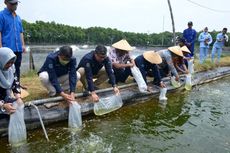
{"x":18,"y":64}
{"x":122,"y":74}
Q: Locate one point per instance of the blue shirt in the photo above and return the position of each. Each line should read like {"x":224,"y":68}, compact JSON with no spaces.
{"x":205,"y":39}
{"x":11,"y":28}
{"x":145,"y":66}
{"x":189,"y":35}
{"x":55,"y":69}
{"x":219,"y":43}
{"x":92,"y":67}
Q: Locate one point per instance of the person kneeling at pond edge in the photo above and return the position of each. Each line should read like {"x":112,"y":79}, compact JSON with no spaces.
{"x":168,"y":56}
{"x":92,"y":65}
{"x":147,"y":64}
{"x":121,"y":60}
{"x":8,"y":82}
{"x":58,"y":73}
{"x":179,"y":62}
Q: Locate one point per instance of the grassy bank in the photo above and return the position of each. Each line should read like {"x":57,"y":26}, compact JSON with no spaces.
{"x":37,"y":91}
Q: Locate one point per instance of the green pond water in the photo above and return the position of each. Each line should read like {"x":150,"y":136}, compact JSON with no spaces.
{"x":196,"y":121}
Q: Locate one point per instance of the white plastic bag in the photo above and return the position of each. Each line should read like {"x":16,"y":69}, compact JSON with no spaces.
{"x":139,"y":79}
{"x":108,"y":104}
{"x":163,"y":92}
{"x":75,"y":119}
{"x":175,"y":83}
{"x":190,"y":66}
{"x":17,"y":127}
{"x":188,"y":82}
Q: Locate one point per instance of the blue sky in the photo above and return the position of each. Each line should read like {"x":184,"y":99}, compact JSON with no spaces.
{"x":145,"y":16}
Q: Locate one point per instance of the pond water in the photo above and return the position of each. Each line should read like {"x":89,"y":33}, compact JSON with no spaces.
{"x":197,"y":121}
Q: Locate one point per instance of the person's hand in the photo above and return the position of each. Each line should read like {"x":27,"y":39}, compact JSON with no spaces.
{"x":116,"y":90}
{"x":19,"y":101}
{"x":24,"y":49}
{"x":94,"y":96}
{"x":162,"y":85}
{"x":72,"y":95}
{"x":67,"y":97}
{"x":9,"y":108}
{"x":177,"y":78}
{"x":131,"y":65}
{"x":18,"y":98}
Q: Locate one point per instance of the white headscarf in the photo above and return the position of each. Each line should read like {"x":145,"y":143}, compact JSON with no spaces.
{"x":6,"y":76}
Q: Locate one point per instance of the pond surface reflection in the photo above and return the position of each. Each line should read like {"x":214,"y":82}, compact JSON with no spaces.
{"x":197,"y":121}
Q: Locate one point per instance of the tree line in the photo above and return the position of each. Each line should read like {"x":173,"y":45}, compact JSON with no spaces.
{"x":42,"y":32}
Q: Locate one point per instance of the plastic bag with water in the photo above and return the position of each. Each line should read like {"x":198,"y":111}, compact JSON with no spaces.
{"x":163,"y":92}
{"x":175,"y":83}
{"x":188,"y":82}
{"x":190,"y":66}
{"x":108,"y":104}
{"x":75,"y":119}
{"x":142,"y":86}
{"x":17,"y":128}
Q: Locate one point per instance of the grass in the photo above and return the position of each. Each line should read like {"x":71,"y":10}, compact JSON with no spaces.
{"x":208,"y":65}
{"x":35,"y":88}
{"x":37,"y":91}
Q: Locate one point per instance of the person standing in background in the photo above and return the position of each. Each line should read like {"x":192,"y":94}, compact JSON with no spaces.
{"x":189,"y":35}
{"x":11,"y":32}
{"x":205,"y":40}
{"x":221,"y":38}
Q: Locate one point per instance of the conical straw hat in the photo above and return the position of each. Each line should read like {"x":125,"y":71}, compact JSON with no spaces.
{"x":152,"y":57}
{"x":185,"y":49}
{"x":122,"y":45}
{"x":176,"y":50}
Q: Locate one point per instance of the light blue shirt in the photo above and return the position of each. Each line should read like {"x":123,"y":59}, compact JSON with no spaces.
{"x":205,"y":36}
{"x":11,"y":28}
{"x":167,"y":59}
{"x":219,"y":43}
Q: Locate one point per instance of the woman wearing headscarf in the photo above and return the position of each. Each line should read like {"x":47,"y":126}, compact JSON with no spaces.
{"x":8,"y":82}
{"x":205,"y":40}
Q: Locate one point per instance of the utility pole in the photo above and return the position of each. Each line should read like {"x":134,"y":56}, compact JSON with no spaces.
{"x":173,"y":25}
{"x":163,"y":29}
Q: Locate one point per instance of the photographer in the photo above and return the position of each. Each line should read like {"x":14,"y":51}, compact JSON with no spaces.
{"x":221,"y":39}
